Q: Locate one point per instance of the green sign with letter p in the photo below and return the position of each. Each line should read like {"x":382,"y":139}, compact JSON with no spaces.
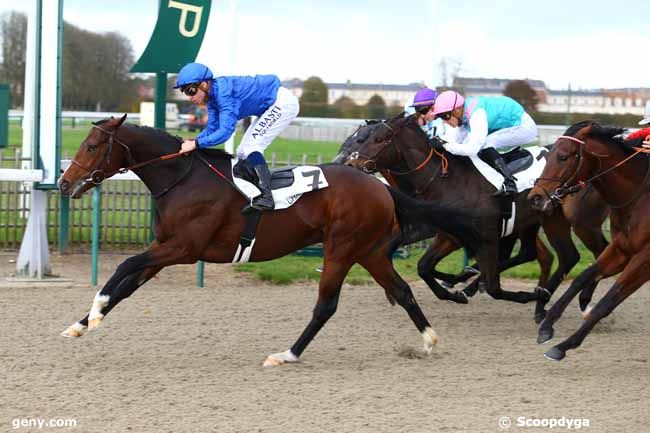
{"x":177,"y":37}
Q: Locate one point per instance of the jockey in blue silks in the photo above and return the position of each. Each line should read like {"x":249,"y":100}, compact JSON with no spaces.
{"x":486,"y":124}
{"x":229,"y":99}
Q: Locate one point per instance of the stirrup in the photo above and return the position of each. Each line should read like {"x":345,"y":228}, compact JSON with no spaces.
{"x":256,"y":206}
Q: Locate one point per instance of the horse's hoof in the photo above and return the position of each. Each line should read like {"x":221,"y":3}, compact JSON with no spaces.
{"x":94,"y":323}
{"x":461,"y":297}
{"x":539,"y":317}
{"x":279,"y":359}
{"x":430,"y":339}
{"x":544,"y":335}
{"x":586,"y":312}
{"x":555,"y":354}
{"x":74,"y":331}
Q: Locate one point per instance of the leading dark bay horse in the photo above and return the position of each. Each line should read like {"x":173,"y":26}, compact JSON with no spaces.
{"x":585,"y":211}
{"x":400,"y":146}
{"x":589,"y":153}
{"x":197,"y":217}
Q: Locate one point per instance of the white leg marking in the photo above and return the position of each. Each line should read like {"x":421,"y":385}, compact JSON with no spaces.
{"x":585,"y":313}
{"x":95,"y":316}
{"x":75,"y":330}
{"x":280,"y":358}
{"x":430,"y":339}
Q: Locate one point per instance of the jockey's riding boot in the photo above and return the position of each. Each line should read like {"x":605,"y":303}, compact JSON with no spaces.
{"x":265,"y":200}
{"x":491,"y":156}
{"x":509,"y":187}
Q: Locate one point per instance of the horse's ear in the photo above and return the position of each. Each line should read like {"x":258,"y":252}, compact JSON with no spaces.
{"x":122,"y":119}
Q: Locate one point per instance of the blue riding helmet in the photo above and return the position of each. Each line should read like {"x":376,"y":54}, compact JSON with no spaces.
{"x":193,"y":73}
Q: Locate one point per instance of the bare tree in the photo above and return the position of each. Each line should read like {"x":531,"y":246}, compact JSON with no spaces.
{"x":522,"y":92}
{"x":96,"y":70}
{"x":13,"y":32}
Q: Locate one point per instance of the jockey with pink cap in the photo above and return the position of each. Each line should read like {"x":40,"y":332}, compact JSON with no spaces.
{"x":486,"y":124}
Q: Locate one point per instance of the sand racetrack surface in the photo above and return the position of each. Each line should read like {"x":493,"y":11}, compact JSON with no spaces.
{"x":178,"y":358}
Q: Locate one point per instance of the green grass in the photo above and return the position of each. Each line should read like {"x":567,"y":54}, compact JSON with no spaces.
{"x":290,"y":269}
{"x":71,"y":139}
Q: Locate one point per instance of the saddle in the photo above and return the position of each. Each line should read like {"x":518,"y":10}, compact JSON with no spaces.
{"x":280,"y":177}
{"x":288,"y":184}
{"x":517,"y":159}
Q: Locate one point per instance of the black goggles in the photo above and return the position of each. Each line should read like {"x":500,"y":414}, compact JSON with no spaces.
{"x":444,"y":116}
{"x":190,"y":89}
{"x":423,"y":109}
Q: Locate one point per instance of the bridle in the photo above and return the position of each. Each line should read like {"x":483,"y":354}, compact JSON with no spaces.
{"x":571,"y":186}
{"x":98,"y":175}
{"x":370,"y":163}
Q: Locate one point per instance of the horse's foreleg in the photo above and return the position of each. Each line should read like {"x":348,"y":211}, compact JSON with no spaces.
{"x":610,"y":262}
{"x":441,"y":247}
{"x":126,"y":287}
{"x":328,"y":298}
{"x":130,"y":275}
{"x":382,"y":270}
{"x":636,"y":273}
{"x":558,"y":232}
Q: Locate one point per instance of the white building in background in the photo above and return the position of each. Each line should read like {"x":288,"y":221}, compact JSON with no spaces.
{"x":392,"y":94}
{"x":607,"y":101}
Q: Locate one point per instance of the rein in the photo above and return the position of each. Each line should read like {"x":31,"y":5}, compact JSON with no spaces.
{"x":565,"y":190}
{"x":97,"y":176}
{"x":370,"y":165}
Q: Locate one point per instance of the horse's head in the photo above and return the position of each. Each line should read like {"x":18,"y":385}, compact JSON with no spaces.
{"x":352,"y":142}
{"x":575,"y":157}
{"x":375,"y":145}
{"x":100,"y":153}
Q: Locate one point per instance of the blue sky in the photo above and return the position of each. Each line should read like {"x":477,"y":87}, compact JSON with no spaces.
{"x":589,"y":44}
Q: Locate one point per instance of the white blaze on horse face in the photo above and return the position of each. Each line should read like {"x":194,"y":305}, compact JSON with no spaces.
{"x":430,"y":339}
{"x":99,"y":303}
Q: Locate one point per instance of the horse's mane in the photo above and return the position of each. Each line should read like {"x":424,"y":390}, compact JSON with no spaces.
{"x":411,"y":123}
{"x":608,"y":134}
{"x":167,"y":139}
{"x":573,"y":129}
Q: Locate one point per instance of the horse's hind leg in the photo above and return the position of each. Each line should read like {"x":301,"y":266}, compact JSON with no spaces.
{"x":329,"y":289}
{"x":381,"y":268}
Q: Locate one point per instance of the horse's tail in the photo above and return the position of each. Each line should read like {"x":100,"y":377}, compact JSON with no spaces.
{"x":419,"y":220}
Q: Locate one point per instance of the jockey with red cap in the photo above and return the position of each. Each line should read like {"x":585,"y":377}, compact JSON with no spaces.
{"x":486,"y":124}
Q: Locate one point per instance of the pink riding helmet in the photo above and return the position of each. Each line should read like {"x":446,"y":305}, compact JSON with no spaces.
{"x":447,"y":101}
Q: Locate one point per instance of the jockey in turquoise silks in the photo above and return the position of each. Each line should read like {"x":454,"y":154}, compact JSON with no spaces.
{"x":484,"y":125}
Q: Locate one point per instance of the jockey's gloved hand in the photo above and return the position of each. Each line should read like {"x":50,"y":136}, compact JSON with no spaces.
{"x":437,"y":143}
